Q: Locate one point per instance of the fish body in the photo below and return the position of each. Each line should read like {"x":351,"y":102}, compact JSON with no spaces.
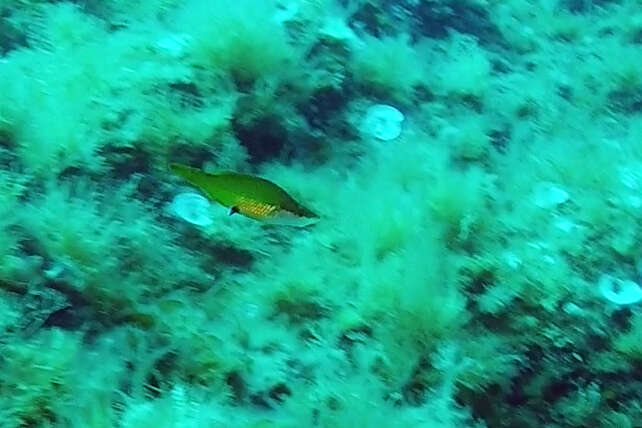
{"x":251,"y":196}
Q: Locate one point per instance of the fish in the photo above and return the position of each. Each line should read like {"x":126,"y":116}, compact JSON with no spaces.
{"x":248,"y":195}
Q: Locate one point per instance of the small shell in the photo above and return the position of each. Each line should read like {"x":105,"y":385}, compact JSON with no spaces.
{"x":564,"y":224}
{"x":618,"y":291}
{"x":382,"y":122}
{"x":549,"y":195}
{"x":173,"y":45}
{"x":191,"y":207}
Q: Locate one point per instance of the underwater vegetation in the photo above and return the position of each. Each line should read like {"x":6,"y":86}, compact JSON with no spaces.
{"x":471,"y":169}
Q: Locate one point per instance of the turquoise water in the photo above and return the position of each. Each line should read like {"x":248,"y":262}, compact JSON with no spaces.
{"x":429,"y":217}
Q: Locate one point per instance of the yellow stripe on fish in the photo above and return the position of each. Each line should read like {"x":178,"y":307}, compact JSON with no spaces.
{"x":254,"y":209}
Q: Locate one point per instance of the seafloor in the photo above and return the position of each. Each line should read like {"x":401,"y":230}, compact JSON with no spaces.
{"x":476,"y":169}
